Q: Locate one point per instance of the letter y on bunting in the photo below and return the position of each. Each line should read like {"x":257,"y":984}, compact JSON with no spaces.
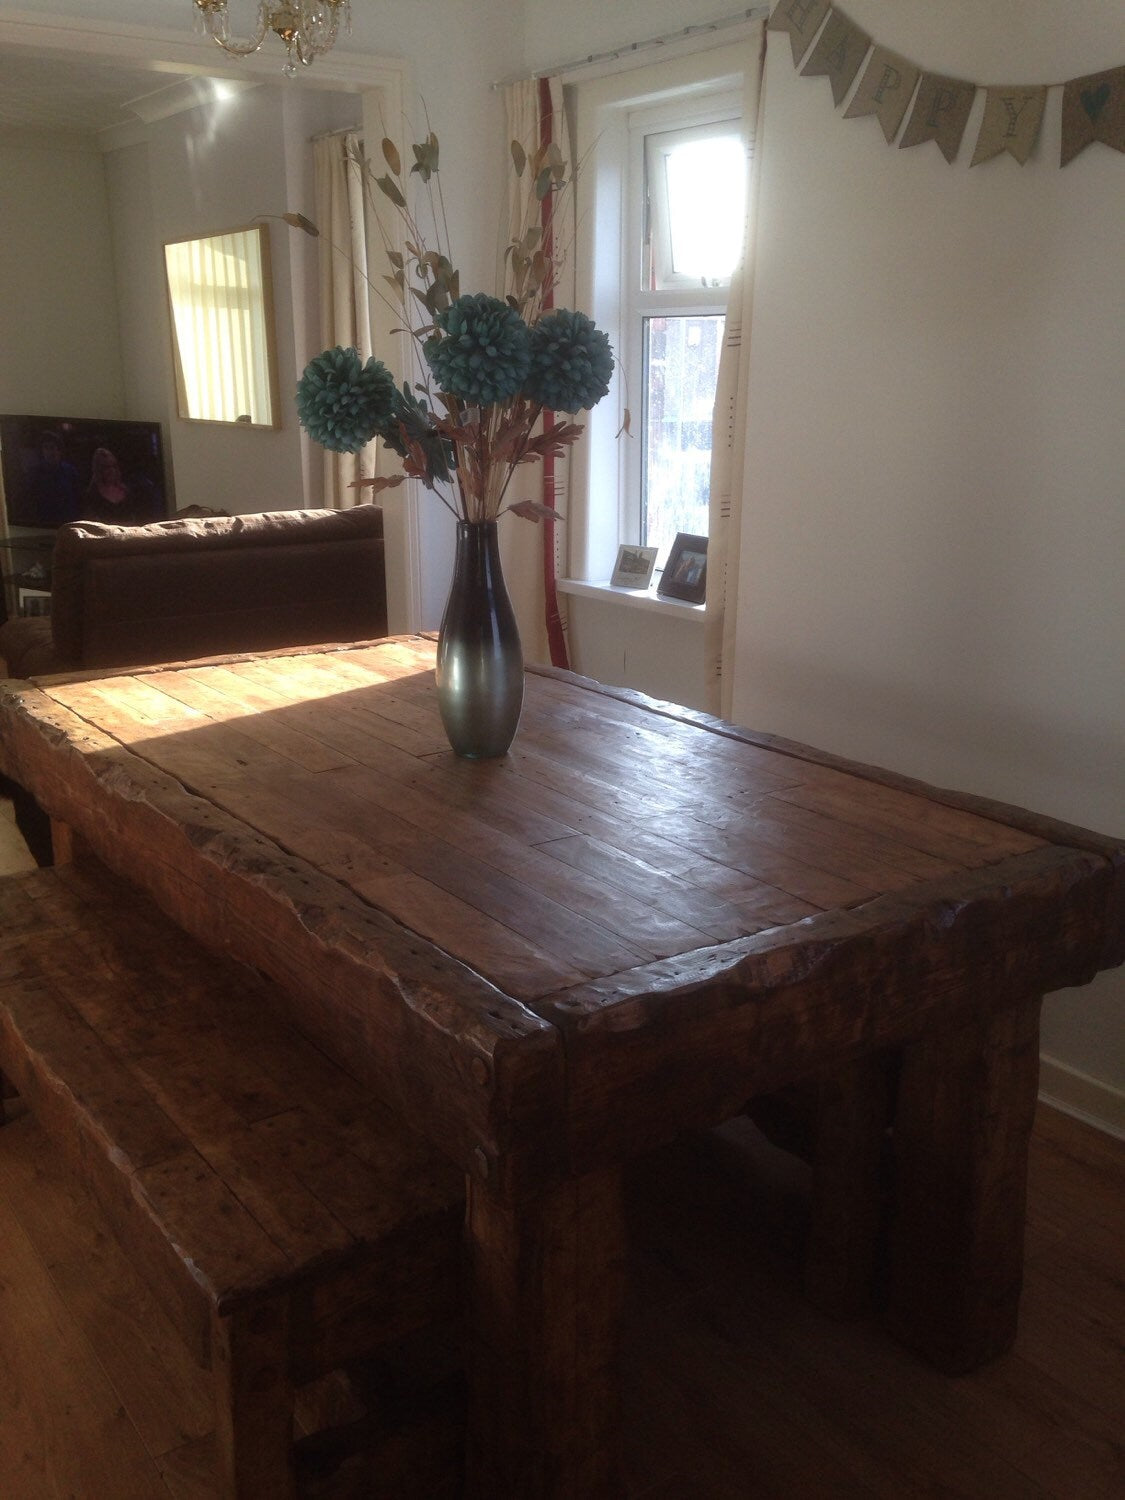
{"x":1012,"y":117}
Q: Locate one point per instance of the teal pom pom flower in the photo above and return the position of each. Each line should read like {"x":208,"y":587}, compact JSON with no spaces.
{"x":343,"y":402}
{"x":483,"y":352}
{"x":571,"y":362}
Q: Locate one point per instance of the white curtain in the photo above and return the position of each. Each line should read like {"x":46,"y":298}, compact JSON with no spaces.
{"x":345,"y":316}
{"x":728,"y":450}
{"x":534,"y":554}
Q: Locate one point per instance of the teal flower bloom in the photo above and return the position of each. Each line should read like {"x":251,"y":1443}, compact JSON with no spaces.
{"x":571,"y":362}
{"x":342,"y":402}
{"x":485,"y":354}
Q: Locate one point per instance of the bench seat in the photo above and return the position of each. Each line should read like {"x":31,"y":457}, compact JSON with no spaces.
{"x":289,"y":1223}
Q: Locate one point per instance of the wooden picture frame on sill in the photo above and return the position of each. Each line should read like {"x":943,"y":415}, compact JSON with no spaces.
{"x":685,"y":572}
{"x":633,"y":568}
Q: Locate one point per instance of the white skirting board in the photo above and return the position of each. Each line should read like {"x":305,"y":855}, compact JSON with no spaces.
{"x":1089,"y":1099}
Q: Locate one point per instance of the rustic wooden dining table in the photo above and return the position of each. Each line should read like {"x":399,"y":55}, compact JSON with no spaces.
{"x":635,"y":923}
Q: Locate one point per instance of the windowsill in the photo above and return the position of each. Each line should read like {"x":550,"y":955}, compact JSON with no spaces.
{"x":645,"y":599}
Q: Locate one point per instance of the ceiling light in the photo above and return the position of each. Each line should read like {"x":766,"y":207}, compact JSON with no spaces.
{"x":307,"y":27}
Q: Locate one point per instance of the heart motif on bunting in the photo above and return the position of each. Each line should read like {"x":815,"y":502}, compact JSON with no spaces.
{"x":1093,"y":109}
{"x":1094,"y":100}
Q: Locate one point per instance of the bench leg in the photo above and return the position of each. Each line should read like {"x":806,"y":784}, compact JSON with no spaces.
{"x":253,"y":1404}
{"x":966,"y":1104}
{"x":546,"y":1290}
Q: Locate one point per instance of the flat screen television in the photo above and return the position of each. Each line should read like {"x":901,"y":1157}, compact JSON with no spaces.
{"x":59,"y":469}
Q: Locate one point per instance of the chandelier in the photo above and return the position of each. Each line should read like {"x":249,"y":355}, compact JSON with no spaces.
{"x":307,"y":27}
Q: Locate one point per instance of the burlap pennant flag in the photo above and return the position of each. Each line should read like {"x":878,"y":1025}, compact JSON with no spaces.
{"x":1093,"y":109}
{"x":940,"y":113}
{"x":885,"y":90}
{"x":838,"y":53}
{"x":801,"y":19}
{"x":1012,"y":117}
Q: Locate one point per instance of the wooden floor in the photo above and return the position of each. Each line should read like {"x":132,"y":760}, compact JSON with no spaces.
{"x":735,"y":1388}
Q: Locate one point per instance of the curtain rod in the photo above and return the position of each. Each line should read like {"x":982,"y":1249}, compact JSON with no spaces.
{"x":326,"y":135}
{"x":754,"y":13}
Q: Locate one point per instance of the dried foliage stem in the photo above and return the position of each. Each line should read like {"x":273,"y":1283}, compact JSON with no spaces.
{"x":490,"y":367}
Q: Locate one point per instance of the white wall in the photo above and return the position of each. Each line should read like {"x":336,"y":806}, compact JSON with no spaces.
{"x":932,"y":566}
{"x":59,"y":346}
{"x":202,"y":172}
{"x":563,"y":33}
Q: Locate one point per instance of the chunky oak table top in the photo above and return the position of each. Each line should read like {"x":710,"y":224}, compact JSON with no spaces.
{"x":632,"y":924}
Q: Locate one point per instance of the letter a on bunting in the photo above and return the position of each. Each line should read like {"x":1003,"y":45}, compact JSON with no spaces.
{"x":801,"y":19}
{"x":838,"y":53}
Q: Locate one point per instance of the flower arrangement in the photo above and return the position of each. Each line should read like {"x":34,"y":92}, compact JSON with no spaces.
{"x":493,"y":366}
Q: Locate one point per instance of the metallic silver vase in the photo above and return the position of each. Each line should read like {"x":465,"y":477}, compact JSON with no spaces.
{"x":479,"y":659}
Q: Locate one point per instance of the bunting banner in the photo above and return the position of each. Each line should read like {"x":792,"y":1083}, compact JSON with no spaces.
{"x":936,"y":108}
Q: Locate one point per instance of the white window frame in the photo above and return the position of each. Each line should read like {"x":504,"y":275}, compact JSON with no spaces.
{"x":673,"y":115}
{"x":612,"y":116}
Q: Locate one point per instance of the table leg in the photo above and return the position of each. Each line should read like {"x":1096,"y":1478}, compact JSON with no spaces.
{"x":963,"y":1121}
{"x":253,"y":1404}
{"x":851,"y":1116}
{"x":546,"y":1290}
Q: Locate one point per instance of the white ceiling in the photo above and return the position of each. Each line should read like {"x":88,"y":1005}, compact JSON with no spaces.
{"x":72,"y":93}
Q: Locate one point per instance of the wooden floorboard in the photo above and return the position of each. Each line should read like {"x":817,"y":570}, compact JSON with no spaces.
{"x":735,"y":1388}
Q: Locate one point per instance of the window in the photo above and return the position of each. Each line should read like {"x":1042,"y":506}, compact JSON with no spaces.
{"x":690,"y":213}
{"x":661,"y":222}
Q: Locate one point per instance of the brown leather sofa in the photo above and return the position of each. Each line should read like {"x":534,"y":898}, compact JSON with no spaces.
{"x":126,"y":596}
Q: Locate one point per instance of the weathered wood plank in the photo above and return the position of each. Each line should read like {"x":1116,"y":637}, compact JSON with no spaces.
{"x":520,"y":851}
{"x":264,"y":728}
{"x":710,"y":919}
{"x":1037,"y":826}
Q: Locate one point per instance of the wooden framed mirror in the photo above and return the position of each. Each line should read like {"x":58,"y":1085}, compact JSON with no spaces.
{"x":220,"y":299}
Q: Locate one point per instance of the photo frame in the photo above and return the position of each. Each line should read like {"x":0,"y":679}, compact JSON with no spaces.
{"x":685,"y":572}
{"x":633,"y":568}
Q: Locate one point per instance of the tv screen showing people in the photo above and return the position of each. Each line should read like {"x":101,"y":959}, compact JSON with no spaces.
{"x":60,"y":469}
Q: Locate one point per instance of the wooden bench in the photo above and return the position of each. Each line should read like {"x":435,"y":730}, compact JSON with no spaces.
{"x":289,"y":1224}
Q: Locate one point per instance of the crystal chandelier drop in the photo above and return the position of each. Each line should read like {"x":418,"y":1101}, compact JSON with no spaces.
{"x":307,"y":27}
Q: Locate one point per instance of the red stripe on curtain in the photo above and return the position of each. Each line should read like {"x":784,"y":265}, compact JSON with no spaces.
{"x":556,"y":636}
